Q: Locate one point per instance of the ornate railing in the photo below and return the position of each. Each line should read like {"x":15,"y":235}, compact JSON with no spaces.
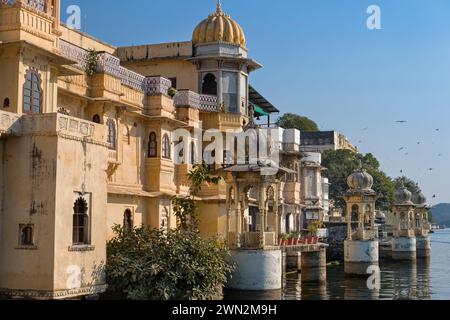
{"x":37,"y":5}
{"x":187,"y":98}
{"x":156,"y":85}
{"x":74,"y":53}
{"x":209,"y":103}
{"x":107,"y":63}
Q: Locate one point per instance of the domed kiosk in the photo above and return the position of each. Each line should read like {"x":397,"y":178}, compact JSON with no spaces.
{"x":361,"y":246}
{"x":221,"y":57}
{"x":404,"y":241}
{"x":422,"y":225}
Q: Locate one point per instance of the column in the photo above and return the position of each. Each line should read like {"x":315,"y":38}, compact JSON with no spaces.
{"x":228,"y":214}
{"x":237,"y":208}
{"x":349,"y":222}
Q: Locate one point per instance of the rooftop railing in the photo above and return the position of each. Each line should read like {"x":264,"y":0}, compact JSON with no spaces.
{"x":107,"y":63}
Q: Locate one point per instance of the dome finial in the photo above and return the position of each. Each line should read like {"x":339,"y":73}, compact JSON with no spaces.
{"x":219,"y":8}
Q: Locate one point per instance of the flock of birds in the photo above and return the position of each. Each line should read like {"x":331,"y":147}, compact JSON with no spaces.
{"x":404,"y":149}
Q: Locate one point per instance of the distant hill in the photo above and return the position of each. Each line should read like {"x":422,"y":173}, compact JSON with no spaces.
{"x":441,"y":214}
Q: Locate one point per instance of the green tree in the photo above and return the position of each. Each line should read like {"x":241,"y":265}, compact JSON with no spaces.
{"x":410,"y":184}
{"x":340,"y":164}
{"x":174,"y":264}
{"x":294,"y":121}
{"x":147,"y":264}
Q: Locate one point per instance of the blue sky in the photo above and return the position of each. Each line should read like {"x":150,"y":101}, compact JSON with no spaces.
{"x":320,"y":60}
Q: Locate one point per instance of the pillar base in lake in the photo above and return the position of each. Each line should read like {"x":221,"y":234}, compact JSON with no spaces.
{"x":314,"y":266}
{"x":423,"y":247}
{"x":404,"y":248}
{"x":293,"y":260}
{"x":256,"y":270}
{"x":360,"y":256}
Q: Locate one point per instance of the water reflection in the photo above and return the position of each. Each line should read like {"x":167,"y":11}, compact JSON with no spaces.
{"x":422,"y":279}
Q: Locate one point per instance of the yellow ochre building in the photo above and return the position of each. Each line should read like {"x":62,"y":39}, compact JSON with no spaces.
{"x":87,"y":141}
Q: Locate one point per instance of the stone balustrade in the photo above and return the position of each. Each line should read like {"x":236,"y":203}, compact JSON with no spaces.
{"x":107,"y":63}
{"x":187,"y":98}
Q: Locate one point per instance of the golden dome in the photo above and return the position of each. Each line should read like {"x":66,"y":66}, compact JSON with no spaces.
{"x":219,"y":27}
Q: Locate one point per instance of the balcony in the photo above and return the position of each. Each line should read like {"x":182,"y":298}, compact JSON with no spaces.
{"x":109,"y":64}
{"x":203,"y":102}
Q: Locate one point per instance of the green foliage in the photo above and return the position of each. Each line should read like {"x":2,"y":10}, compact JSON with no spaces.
{"x":185,"y":208}
{"x":172,"y":92}
{"x":149,"y":264}
{"x":408,"y":183}
{"x":91,"y":62}
{"x":294,"y":121}
{"x":313,"y":228}
{"x":342,"y":163}
{"x":199,"y":176}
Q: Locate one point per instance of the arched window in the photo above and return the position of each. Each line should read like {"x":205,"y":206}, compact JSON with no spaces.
{"x":209,"y":85}
{"x":26,"y":235}
{"x":166,"y":147}
{"x":6,"y":103}
{"x":32,"y":93}
{"x":80,"y":227}
{"x":127,"y":221}
{"x":96,"y":119}
{"x":111,"y":134}
{"x":152,"y":146}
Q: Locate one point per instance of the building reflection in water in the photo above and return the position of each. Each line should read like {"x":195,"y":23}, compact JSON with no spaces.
{"x":252,"y":295}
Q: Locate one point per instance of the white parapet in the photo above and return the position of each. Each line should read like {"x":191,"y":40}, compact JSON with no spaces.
{"x":360,"y":255}
{"x":256,"y":270}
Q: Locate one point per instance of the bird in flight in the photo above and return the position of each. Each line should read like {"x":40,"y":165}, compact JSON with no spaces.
{"x":401,"y":121}
{"x":434,"y":196}
{"x":438,"y":129}
{"x":402,"y":148}
{"x":431,"y":169}
{"x":418,"y":142}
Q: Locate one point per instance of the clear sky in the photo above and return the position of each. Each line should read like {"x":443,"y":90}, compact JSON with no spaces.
{"x":321,"y":60}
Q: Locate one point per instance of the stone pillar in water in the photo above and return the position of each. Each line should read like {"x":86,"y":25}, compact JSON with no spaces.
{"x":256,"y":270}
{"x":361,"y":247}
{"x":423,"y":245}
{"x":422,"y":225}
{"x":404,"y":248}
{"x":404,"y":241}
{"x":360,"y":255}
{"x":314,"y":266}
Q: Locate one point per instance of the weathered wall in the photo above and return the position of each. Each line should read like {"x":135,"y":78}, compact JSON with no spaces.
{"x":30,"y":170}
{"x":81,"y":172}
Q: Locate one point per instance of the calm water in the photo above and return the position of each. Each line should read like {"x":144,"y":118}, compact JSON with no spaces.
{"x":424,"y":279}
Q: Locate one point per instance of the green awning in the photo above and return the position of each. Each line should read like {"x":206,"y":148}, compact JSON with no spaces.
{"x":259,"y":112}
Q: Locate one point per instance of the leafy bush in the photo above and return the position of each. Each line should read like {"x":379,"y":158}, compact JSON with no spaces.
{"x":91,"y":62}
{"x":146,"y":264}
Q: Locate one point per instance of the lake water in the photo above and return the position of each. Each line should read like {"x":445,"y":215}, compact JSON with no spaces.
{"x":424,"y":279}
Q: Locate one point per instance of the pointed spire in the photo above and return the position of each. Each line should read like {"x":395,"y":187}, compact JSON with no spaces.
{"x":219,"y":8}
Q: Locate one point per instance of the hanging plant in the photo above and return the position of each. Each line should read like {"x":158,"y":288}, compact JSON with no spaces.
{"x":172,"y":92}
{"x":91,"y":62}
